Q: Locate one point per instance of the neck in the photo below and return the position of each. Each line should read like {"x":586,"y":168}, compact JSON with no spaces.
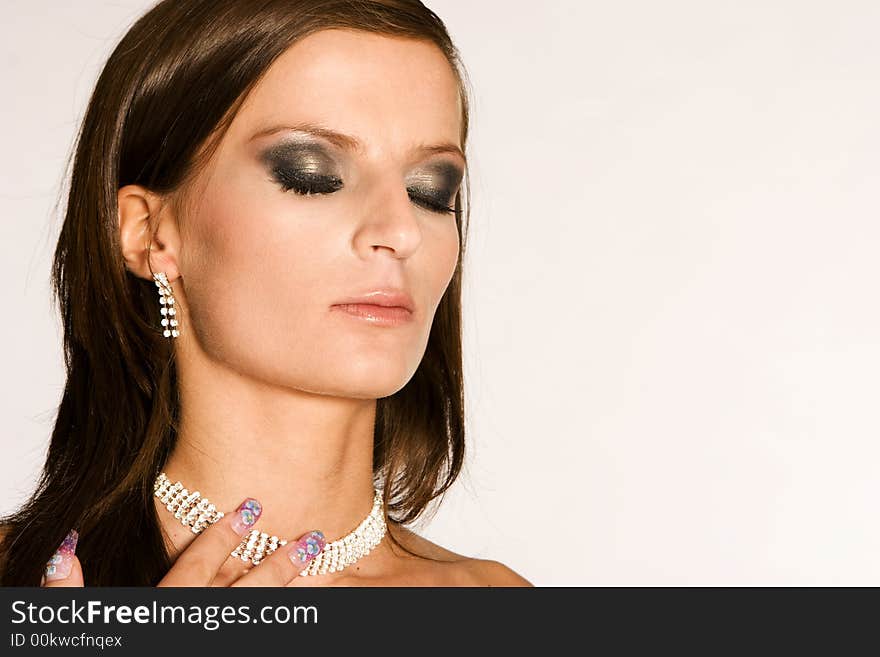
{"x":307,"y":458}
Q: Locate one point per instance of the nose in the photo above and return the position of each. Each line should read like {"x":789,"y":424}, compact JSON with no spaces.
{"x":390,"y":222}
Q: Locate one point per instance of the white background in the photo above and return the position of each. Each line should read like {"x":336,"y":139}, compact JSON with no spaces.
{"x":672,"y":349}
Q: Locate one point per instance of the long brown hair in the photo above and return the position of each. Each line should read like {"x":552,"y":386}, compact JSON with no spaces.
{"x":163,"y":101}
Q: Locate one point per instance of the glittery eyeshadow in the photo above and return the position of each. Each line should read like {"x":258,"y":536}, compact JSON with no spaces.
{"x":438,"y":181}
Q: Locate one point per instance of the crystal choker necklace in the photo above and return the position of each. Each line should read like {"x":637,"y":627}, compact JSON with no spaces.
{"x":196,"y":512}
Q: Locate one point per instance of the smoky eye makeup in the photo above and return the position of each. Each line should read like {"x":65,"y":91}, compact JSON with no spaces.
{"x":305,"y":167}
{"x":436,"y":184}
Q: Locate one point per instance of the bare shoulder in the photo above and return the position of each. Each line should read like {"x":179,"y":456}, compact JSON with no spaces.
{"x":449,"y":568}
{"x":421,"y":545}
{"x":486,"y":572}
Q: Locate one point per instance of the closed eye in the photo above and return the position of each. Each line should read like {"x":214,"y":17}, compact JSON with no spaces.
{"x":308,"y":185}
{"x":431,"y":204}
{"x":305,"y":184}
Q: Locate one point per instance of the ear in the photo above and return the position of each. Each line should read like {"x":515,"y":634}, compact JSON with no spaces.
{"x":148,"y":233}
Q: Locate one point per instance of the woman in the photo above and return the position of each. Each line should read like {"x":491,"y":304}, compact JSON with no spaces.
{"x":259,"y":276}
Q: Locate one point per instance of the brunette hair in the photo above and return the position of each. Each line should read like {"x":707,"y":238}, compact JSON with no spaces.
{"x":162,"y":103}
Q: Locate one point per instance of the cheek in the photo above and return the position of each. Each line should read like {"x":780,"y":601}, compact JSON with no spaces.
{"x":252,"y":276}
{"x":259,"y":281}
{"x":442,"y":256}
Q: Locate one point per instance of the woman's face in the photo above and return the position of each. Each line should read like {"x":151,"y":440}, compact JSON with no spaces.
{"x":263,"y":261}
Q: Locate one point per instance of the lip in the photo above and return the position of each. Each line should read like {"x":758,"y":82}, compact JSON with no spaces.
{"x":377,"y":315}
{"x":385,"y":297}
{"x":381,"y":307}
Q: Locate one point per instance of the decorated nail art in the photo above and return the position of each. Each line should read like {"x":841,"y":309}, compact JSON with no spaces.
{"x":248,"y":513}
{"x":58,"y":567}
{"x":306,"y":548}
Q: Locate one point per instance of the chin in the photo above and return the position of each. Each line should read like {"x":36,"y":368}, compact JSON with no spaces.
{"x":382,"y":380}
{"x":361,"y":377}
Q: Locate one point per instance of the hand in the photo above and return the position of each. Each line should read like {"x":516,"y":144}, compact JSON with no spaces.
{"x":63,"y":569}
{"x":198,"y":564}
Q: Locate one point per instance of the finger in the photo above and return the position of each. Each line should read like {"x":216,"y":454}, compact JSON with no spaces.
{"x":75,"y":578}
{"x":63,"y":568}
{"x":198,"y":564}
{"x":285,"y":563}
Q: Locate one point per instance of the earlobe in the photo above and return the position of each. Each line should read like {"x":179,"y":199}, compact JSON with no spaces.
{"x":148,"y":234}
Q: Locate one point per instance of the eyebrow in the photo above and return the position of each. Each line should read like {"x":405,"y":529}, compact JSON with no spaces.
{"x":350,"y":143}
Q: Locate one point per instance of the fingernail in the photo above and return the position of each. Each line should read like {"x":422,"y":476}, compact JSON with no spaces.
{"x":307,"y":547}
{"x":58,"y":567}
{"x":248,"y":513}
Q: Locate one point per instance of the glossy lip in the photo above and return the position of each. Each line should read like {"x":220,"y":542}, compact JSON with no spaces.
{"x":383,"y":307}
{"x":385,"y":297}
{"x":377,"y":315}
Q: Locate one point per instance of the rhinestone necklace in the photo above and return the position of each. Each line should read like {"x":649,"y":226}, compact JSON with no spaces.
{"x":196,"y":512}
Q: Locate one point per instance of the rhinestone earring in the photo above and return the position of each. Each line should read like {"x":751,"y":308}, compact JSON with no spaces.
{"x":166,"y":299}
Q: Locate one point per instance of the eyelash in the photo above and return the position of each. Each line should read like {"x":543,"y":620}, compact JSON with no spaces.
{"x":308,"y":186}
